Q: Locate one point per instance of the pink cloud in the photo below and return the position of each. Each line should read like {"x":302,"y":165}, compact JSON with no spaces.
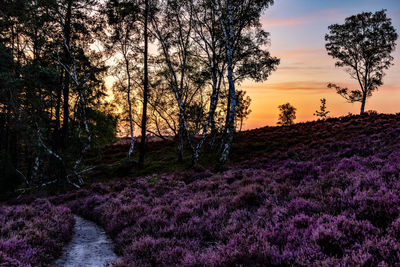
{"x":285,"y":22}
{"x":298,"y":85}
{"x":323,"y":15}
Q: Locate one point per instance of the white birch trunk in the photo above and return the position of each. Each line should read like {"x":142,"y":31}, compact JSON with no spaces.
{"x":177,"y":87}
{"x":71,"y":71}
{"x":209,"y":47}
{"x":229,"y":35}
{"x":132,"y":145}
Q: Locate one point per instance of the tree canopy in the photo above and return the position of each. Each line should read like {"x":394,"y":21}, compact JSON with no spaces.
{"x":56,"y":56}
{"x":287,"y":115}
{"x":363,"y":46}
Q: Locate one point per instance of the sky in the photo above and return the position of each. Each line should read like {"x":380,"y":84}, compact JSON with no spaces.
{"x":297,"y":30}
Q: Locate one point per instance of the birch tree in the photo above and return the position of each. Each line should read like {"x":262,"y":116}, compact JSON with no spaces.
{"x":146,"y":12}
{"x":173,"y":33}
{"x":241,"y":28}
{"x":124,"y":44}
{"x":207,"y":36}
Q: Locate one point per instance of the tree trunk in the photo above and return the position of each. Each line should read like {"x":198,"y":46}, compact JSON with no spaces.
{"x":230,"y":124}
{"x":58,"y":103}
{"x":66,"y":47}
{"x":57,"y":113}
{"x":145,"y":87}
{"x":210,"y":118}
{"x":213,"y":135}
{"x":180,"y":140}
{"x":364,"y":99}
{"x":224,"y":134}
{"x":229,"y":37}
{"x":228,"y":107}
{"x":130,"y":109}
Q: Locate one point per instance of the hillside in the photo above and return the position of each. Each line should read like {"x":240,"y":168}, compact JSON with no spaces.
{"x":268,"y":143}
{"x":312,"y":194}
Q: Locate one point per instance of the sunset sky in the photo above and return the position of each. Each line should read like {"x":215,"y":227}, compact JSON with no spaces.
{"x":297,"y":30}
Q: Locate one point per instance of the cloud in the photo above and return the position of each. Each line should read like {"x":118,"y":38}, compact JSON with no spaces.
{"x":302,"y":67}
{"x":285,"y":22}
{"x":321,"y":15}
{"x":298,"y":85}
{"x":299,"y":52}
{"x":307,"y":86}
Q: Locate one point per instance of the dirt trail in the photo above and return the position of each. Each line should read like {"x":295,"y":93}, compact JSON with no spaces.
{"x":89,"y":246}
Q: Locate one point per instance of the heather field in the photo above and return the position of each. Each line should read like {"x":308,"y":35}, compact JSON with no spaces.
{"x":324,"y":193}
{"x":128,"y":133}
{"x":33,"y":235}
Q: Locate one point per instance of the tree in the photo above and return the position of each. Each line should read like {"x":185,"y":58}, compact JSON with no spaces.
{"x":243,"y":38}
{"x":145,"y":83}
{"x":122,"y":17}
{"x":45,"y":48}
{"x":211,"y":47}
{"x":322,"y":112}
{"x":243,"y":108}
{"x":287,"y":115}
{"x":363,"y":45}
{"x":173,"y":32}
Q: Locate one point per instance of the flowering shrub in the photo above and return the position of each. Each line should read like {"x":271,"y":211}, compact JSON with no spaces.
{"x":327,"y":195}
{"x":33,"y":235}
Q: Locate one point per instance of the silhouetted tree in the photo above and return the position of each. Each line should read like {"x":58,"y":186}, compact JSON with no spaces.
{"x":123,"y":20}
{"x":173,"y":30}
{"x":211,"y":46}
{"x":49,"y":77}
{"x":142,"y":151}
{"x":287,"y":115}
{"x":363,"y":45}
{"x":322,"y":112}
{"x":242,"y":109}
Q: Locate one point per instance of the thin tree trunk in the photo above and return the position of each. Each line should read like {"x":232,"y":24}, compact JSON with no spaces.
{"x":230,"y":125}
{"x":57,"y":113}
{"x":66,"y":47}
{"x":225,"y":132}
{"x":364,"y":100}
{"x":145,"y":88}
{"x":213,"y":135}
{"x":130,"y":109}
{"x":58,"y":103}
{"x":180,"y":141}
{"x":211,"y":113}
{"x":228,"y":107}
{"x":178,"y":86}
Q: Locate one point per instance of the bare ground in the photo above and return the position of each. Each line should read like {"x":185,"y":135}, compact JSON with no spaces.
{"x":89,"y":246}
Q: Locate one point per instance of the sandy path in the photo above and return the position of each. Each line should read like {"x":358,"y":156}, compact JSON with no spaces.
{"x":89,"y":246}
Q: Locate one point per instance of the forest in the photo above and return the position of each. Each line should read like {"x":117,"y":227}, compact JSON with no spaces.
{"x":129,"y":115}
{"x":56,"y":56}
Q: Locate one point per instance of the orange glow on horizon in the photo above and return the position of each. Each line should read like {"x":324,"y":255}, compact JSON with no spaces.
{"x":306,"y":69}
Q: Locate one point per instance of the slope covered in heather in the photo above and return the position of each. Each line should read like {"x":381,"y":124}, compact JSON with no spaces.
{"x":319,"y":193}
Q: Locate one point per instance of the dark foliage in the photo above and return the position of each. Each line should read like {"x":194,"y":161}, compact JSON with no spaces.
{"x":287,"y":115}
{"x":363,"y":45}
